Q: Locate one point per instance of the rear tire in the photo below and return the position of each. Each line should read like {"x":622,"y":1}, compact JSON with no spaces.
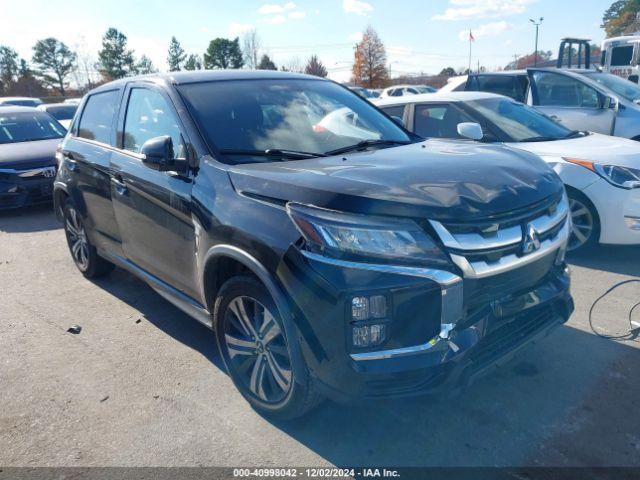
{"x":84,"y":255}
{"x":256,"y":352}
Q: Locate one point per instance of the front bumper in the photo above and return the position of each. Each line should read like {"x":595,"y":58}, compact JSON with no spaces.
{"x":619,"y":212}
{"x":19,"y":188}
{"x":428,"y":349}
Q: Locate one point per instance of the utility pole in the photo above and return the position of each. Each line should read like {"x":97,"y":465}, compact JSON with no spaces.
{"x":535,"y":52}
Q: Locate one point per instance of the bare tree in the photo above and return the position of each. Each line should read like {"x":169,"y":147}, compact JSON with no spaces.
{"x":85,"y":75}
{"x":294,"y":64}
{"x":251,"y":49}
{"x":370,"y":65}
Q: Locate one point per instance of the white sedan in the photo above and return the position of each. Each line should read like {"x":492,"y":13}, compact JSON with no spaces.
{"x":601,"y":173}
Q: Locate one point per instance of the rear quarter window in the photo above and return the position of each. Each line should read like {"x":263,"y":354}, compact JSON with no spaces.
{"x":97,"y":117}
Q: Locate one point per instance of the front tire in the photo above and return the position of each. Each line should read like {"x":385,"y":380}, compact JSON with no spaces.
{"x":84,"y":255}
{"x":256,"y":351}
{"x":585,"y":223}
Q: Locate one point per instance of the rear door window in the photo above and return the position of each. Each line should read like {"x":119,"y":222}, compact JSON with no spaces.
{"x":513,"y":86}
{"x":438,"y":121}
{"x":97,"y":116}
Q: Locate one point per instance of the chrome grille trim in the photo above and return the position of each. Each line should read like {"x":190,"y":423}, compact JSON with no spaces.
{"x":483,"y":269}
{"x":31,"y":172}
{"x":463,"y":247}
{"x":502,"y":237}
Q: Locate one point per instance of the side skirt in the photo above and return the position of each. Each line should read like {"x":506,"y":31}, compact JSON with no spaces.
{"x":184,"y":302}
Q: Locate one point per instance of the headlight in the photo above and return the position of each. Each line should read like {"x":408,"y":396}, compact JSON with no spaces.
{"x":623,"y":177}
{"x":363,"y":237}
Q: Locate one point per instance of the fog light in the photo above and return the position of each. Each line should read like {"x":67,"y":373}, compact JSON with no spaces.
{"x":633,"y":223}
{"x":368,"y":335}
{"x":360,"y":308}
{"x":365,"y":308}
{"x":378,"y":306}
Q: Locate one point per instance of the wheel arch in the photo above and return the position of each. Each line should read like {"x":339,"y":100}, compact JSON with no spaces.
{"x":60,"y":195}
{"x":222,"y":262}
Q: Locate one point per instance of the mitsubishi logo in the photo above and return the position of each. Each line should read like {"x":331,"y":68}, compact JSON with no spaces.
{"x":531,"y":242}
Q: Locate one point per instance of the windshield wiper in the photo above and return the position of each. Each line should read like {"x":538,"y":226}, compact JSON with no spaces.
{"x":274,"y":153}
{"x":539,"y":139}
{"x":576,"y":133}
{"x":366,"y":143}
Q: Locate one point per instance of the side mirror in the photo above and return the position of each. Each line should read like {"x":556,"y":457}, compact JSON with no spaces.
{"x":157,"y":153}
{"x":398,"y":120}
{"x":612,"y":103}
{"x":470,"y":130}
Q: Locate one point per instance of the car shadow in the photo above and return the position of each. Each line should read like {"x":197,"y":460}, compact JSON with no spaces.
{"x":35,"y":218}
{"x":620,"y":259}
{"x":556,"y":403}
{"x":161,"y":313}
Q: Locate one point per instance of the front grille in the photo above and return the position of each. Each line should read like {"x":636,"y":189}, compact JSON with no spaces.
{"x":495,"y":246}
{"x":509,"y":334}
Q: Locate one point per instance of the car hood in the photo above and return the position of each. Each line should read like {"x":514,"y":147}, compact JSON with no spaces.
{"x":434,"y":179}
{"x":595,"y":147}
{"x":40,"y":153}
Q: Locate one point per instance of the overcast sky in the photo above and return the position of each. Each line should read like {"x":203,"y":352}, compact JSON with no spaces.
{"x":420,"y":35}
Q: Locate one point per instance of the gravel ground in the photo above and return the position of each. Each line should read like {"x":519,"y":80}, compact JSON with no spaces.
{"x":143,"y":384}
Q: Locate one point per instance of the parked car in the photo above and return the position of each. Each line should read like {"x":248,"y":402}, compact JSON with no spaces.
{"x":400,"y":90}
{"x":20,"y":101}
{"x":579,"y":99}
{"x":601,"y":173}
{"x":365,"y":92}
{"x":73,"y":101}
{"x":328,"y":264}
{"x":63,"y":112}
{"x":28,"y":140}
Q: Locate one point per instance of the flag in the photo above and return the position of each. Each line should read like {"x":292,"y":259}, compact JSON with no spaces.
{"x":471,"y":37}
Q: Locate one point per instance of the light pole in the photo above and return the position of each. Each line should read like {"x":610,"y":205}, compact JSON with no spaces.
{"x":535,"y":53}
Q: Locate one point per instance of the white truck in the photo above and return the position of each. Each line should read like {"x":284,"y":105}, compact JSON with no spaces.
{"x":620,"y":56}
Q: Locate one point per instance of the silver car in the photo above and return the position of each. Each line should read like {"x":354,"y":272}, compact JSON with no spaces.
{"x":579,"y":99}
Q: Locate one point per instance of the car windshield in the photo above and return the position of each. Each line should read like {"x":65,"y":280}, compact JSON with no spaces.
{"x":28,"y":126}
{"x":619,"y":86}
{"x":62,"y":112}
{"x":519,"y":122}
{"x":293,"y":115}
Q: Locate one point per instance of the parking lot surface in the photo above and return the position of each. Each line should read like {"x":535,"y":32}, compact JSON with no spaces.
{"x":142,"y":384}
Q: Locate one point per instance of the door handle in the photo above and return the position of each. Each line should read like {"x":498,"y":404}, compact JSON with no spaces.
{"x":121,"y":187}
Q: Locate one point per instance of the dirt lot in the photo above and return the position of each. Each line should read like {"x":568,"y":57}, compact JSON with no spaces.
{"x":142,"y":384}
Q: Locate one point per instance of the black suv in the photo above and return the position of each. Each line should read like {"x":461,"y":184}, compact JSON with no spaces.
{"x":333,"y":253}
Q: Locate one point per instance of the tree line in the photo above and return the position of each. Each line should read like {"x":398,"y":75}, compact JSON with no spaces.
{"x":53,"y":63}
